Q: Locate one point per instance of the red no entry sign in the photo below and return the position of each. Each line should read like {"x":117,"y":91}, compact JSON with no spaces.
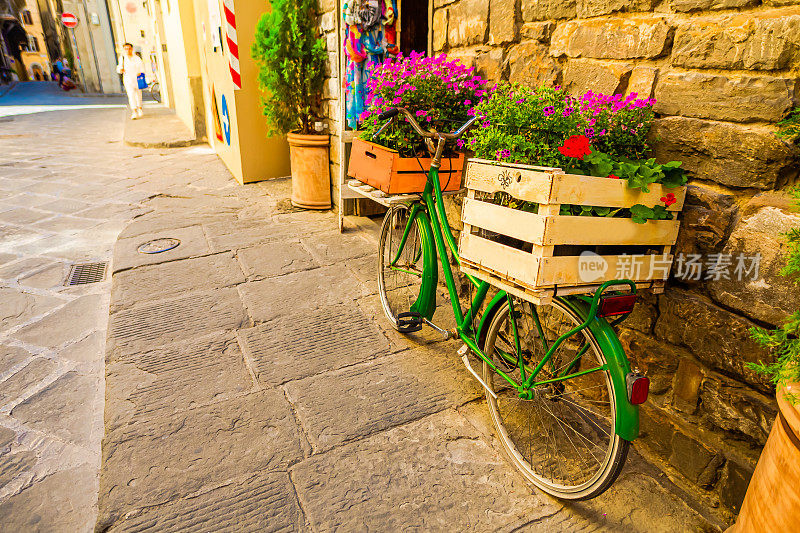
{"x":69,"y":20}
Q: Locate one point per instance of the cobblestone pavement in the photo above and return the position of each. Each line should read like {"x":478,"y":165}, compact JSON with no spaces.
{"x":251,"y":381}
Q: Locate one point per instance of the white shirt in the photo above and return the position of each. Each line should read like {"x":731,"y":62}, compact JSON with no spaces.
{"x":133,"y":66}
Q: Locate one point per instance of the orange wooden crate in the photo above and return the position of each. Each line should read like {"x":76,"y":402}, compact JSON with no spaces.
{"x":384,"y":169}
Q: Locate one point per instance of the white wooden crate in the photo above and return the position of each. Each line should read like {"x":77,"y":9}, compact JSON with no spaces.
{"x":544,"y":271}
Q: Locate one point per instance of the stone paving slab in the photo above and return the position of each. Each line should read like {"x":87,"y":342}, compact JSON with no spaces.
{"x":294,"y":347}
{"x":192,"y":243}
{"x":82,"y":316}
{"x":358,"y":401}
{"x":156,"y":461}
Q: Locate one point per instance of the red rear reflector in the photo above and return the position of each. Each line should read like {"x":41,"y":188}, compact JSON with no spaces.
{"x":616,"y":305}
{"x":638,"y":388}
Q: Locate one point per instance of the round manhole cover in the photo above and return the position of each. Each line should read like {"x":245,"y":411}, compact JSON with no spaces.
{"x":156,"y":246}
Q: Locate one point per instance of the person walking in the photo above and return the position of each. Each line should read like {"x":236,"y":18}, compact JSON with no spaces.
{"x":131,"y":67}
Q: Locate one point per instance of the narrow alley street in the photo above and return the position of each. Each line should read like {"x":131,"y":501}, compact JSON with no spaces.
{"x":246,"y":379}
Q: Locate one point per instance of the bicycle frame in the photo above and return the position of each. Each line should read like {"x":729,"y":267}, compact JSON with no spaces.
{"x":433,"y":225}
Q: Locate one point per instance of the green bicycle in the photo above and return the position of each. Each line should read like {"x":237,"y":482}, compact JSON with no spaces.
{"x":560,"y":390}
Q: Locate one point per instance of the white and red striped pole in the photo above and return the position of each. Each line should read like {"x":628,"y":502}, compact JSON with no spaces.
{"x":233,"y":43}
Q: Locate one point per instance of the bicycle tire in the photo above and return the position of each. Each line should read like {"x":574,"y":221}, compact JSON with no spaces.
{"x":404,"y":288}
{"x":538,"y":464}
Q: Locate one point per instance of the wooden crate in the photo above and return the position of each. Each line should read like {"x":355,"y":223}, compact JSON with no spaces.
{"x":554,"y":264}
{"x":384,"y":169}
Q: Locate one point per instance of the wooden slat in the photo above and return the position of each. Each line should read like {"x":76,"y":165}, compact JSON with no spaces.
{"x":565,"y":270}
{"x":513,"y":165}
{"x":523,"y":184}
{"x":601,"y":230}
{"x":542,"y":297}
{"x":590,"y":190}
{"x":504,"y":261}
{"x":504,"y":220}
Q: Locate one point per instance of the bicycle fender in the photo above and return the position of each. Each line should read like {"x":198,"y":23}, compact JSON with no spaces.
{"x":618,"y":369}
{"x":488,"y":315}
{"x":426,"y":301}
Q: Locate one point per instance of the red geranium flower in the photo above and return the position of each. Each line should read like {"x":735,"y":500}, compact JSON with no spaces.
{"x":576,"y":146}
{"x":669,"y":199}
{"x":613,"y":177}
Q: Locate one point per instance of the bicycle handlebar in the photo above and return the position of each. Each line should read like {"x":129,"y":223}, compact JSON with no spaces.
{"x":394,"y":111}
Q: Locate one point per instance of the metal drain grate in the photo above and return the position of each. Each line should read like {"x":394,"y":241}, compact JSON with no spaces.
{"x":84,"y":273}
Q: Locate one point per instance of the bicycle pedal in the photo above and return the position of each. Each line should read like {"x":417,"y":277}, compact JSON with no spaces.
{"x":409,"y":322}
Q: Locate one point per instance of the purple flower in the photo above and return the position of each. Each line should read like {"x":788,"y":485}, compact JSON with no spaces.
{"x":420,"y":113}
{"x":467,"y":102}
{"x":567,"y":111}
{"x":602,"y":132}
{"x":589,"y":132}
{"x":460,"y":143}
{"x":502,"y":154}
{"x":520,"y":101}
{"x":549,"y":110}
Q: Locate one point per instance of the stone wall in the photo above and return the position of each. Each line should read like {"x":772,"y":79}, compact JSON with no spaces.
{"x":330,"y":94}
{"x":722,"y":72}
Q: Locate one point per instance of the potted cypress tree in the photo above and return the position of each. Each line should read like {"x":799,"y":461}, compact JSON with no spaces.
{"x":291,"y":57}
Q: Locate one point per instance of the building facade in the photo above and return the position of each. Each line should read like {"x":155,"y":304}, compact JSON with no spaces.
{"x":723,"y":73}
{"x":35,"y":56}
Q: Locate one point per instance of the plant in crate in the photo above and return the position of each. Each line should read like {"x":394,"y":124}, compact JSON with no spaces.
{"x":778,"y":468}
{"x":291,"y":57}
{"x":594,"y":135}
{"x":557,"y":177}
{"x":440,"y":93}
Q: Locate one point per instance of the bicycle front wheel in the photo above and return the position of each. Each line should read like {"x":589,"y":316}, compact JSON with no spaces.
{"x":563,"y":440}
{"x":399,"y":269}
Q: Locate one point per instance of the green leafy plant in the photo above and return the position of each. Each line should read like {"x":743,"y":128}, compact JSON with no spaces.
{"x":439,"y":92}
{"x":291,"y":58}
{"x":784,"y":342}
{"x":789,"y":128}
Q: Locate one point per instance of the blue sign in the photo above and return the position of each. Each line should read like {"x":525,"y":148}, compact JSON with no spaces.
{"x":226,"y":121}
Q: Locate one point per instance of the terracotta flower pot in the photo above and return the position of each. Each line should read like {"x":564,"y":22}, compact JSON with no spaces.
{"x":311,"y":184}
{"x":772,"y":502}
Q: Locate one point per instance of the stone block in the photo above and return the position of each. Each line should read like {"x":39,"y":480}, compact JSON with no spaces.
{"x":159,"y":381}
{"x":66,"y":408}
{"x":581,"y":75}
{"x":655,"y":430}
{"x":25,"y":379}
{"x":755,"y":287}
{"x":748,"y":41}
{"x":533,"y":10}
{"x":327,"y":21}
{"x":644,"y":314}
{"x":736,"y":99}
{"x":433,"y":473}
{"x":171,"y":320}
{"x":718,"y":338}
{"x":503,"y":22}
{"x":192,"y":244}
{"x":490,"y":64}
{"x":613,"y":38}
{"x":83,"y":315}
{"x":594,"y":8}
{"x":690,"y":6}
{"x":465,"y":56}
{"x":538,"y":31}
{"x":20,"y":307}
{"x":440,"y":17}
{"x":737,"y":410}
{"x":686,"y":387}
{"x":63,"y":501}
{"x":258,"y":502}
{"x":468,"y":22}
{"x":657,"y":360}
{"x":299,"y":346}
{"x":729,"y":154}
{"x":361,"y":400}
{"x":270,"y":260}
{"x":275,"y":297}
{"x":530,"y":64}
{"x":706,"y":222}
{"x":733,"y":484}
{"x":198,"y":449}
{"x":131,"y":287}
{"x":642,"y":81}
{"x":328,"y":249}
{"x":11,"y":356}
{"x":694,"y":460}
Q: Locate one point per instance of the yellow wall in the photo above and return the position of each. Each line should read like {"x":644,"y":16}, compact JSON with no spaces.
{"x":251,"y":155}
{"x":35,"y":30}
{"x":184,"y":64}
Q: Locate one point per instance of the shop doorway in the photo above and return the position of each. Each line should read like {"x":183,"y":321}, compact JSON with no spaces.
{"x":414,"y":26}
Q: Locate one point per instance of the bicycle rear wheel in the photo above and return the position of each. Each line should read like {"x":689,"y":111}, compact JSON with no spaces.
{"x":399,"y":282}
{"x":563,"y":440}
